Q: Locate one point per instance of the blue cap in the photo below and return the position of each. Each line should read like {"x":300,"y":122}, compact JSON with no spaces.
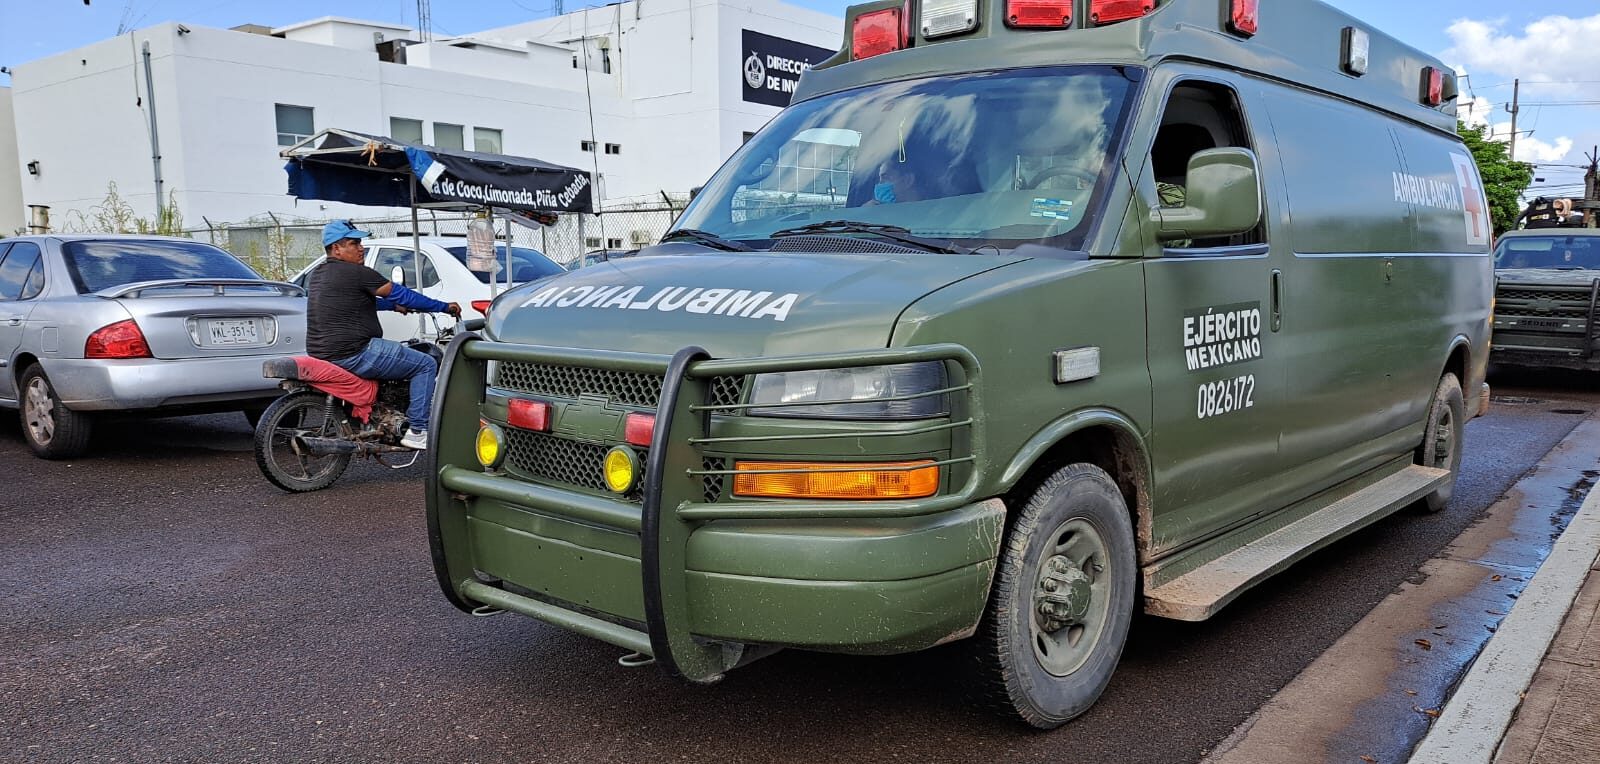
{"x":341,"y":229}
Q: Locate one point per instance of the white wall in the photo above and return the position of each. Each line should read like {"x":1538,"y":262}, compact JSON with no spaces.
{"x":12,"y":214}
{"x":672,"y":101}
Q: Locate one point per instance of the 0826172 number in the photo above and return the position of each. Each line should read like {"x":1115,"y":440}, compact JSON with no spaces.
{"x":1225,"y":396}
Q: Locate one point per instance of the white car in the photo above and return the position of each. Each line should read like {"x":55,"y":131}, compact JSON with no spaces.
{"x":444,"y":277}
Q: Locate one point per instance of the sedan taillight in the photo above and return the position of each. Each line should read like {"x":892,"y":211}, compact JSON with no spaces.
{"x":119,"y":340}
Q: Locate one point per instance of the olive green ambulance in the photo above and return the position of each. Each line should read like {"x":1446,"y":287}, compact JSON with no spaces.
{"x":1024,"y":315}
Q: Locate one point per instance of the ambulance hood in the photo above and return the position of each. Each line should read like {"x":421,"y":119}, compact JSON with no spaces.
{"x":734,"y":305}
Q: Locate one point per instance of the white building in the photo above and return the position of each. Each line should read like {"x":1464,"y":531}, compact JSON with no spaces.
{"x":11,"y":215}
{"x":661,"y":83}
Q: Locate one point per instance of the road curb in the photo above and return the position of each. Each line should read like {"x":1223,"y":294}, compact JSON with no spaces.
{"x":1479,"y":712}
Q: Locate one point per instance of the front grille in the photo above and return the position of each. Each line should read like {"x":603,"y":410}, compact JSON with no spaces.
{"x":1571,"y":295}
{"x":713,"y":483}
{"x":624,"y":388}
{"x":547,"y":458}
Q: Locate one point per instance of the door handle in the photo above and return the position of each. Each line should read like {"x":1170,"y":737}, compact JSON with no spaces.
{"x":1277,"y":299}
{"x":14,"y":320}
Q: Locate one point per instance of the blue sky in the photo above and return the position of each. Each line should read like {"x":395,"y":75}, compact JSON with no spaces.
{"x":1556,"y":55}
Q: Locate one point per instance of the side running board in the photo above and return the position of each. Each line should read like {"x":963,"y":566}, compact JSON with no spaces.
{"x":1199,"y":593}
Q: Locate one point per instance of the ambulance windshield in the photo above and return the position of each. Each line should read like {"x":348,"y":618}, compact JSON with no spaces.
{"x":999,"y":158}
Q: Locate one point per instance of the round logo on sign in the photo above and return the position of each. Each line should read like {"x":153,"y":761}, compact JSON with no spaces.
{"x":755,"y":72}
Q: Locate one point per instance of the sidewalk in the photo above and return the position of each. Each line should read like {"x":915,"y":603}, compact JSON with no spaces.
{"x":1533,"y":694}
{"x":1559,"y":720}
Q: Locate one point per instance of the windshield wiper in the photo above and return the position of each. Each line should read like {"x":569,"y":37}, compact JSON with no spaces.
{"x":891,"y":232}
{"x":707,"y":238}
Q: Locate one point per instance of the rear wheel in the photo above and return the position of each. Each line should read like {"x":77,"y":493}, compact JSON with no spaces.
{"x":1441,"y":439}
{"x":283,"y":459}
{"x":52,"y":430}
{"x":1062,"y":599}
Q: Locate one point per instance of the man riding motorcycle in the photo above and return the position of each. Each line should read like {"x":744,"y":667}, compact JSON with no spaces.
{"x":342,"y":323}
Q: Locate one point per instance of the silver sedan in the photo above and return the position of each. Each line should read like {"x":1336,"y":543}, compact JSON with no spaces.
{"x":101,"y":323}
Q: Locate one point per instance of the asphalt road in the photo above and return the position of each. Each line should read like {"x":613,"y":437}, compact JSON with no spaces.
{"x":163,"y":602}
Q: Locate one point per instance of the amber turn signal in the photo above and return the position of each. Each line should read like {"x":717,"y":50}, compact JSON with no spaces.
{"x":836,"y":480}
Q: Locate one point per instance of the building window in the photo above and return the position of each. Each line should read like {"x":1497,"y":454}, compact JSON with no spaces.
{"x":405,"y":130}
{"x":486,"y":140}
{"x":613,"y":244}
{"x":448,"y":136}
{"x":592,"y":242}
{"x":613,"y":148}
{"x":294,"y":124}
{"x":586,"y":145}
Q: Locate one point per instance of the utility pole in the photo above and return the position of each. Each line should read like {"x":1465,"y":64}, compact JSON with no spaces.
{"x":424,"y":21}
{"x":1516,"y":88}
{"x":1591,"y":187}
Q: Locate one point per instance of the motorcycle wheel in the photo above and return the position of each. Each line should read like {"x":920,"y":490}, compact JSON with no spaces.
{"x":281,"y":460}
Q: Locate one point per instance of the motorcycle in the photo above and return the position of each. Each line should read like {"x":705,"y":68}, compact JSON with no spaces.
{"x":306,"y":438}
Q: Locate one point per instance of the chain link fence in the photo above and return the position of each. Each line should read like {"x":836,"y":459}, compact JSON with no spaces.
{"x":279,"y":248}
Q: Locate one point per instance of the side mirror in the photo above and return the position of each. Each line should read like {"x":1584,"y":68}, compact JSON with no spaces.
{"x":397,"y":275}
{"x":1223,"y":197}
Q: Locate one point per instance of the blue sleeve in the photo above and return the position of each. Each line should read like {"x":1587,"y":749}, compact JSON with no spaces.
{"x":405,"y":296}
{"x":385,"y":303}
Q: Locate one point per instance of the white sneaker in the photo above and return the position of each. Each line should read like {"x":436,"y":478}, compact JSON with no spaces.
{"x":416,"y":439}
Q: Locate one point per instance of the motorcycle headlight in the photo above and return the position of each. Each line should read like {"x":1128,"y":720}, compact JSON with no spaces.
{"x":862,"y":392}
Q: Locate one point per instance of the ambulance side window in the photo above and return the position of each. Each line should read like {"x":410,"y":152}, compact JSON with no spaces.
{"x":1198,"y":116}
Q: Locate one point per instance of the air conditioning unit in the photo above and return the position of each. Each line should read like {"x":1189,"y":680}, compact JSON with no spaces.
{"x":640,"y":238}
{"x":603,"y":42}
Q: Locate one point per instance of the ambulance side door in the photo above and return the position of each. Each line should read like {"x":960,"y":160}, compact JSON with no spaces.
{"x":1215,"y":359}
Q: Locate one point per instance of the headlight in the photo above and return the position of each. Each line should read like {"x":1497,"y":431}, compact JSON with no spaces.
{"x":861,"y":392}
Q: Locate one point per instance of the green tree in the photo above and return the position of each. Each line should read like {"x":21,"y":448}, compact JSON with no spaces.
{"x":1504,"y":180}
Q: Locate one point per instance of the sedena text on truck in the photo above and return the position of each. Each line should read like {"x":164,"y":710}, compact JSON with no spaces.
{"x":1025,"y":314}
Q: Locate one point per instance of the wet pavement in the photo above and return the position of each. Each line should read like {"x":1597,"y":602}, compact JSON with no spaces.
{"x":164,"y":603}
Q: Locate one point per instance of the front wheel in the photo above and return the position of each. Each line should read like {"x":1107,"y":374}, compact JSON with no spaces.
{"x":283,"y":459}
{"x":1441,"y":439}
{"x":1062,"y":601}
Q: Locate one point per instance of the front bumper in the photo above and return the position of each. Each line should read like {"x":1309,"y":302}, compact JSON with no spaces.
{"x":148,"y":383}
{"x":693,"y":582}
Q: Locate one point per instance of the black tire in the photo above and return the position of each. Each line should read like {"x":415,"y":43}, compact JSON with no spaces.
{"x":301,"y":413}
{"x":1441,"y":438}
{"x":52,"y":430}
{"x":1074,"y":532}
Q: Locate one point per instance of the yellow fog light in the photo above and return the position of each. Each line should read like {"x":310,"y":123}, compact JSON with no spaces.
{"x":622,"y":469}
{"x":836,"y":480}
{"x":490,"y":445}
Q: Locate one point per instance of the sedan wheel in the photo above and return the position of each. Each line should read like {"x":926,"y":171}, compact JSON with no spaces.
{"x":52,"y":430}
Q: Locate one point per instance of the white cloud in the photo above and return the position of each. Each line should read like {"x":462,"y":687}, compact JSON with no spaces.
{"x":1554,"y":48}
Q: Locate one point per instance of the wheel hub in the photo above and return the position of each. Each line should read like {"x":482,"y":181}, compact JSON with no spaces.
{"x":1064,"y":594}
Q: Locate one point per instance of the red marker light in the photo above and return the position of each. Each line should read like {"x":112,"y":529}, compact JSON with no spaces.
{"x":482,"y":306}
{"x":1108,"y":11}
{"x":1242,"y":21}
{"x":1039,"y":14}
{"x":874,"y":33}
{"x":528,"y":415}
{"x":119,"y":340}
{"x":1432,"y":86}
{"x":638,"y":429}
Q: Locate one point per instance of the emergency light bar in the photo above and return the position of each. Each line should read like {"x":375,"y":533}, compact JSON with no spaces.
{"x":1242,"y":18}
{"x":1357,"y":48}
{"x":1432,"y":86}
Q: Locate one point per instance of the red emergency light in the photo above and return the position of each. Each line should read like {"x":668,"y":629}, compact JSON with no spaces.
{"x":1111,"y":11}
{"x":1039,"y":14}
{"x":876,"y":32}
{"x":1432,"y":85}
{"x":637,"y":429}
{"x":1242,"y":19}
{"x":528,"y":414}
